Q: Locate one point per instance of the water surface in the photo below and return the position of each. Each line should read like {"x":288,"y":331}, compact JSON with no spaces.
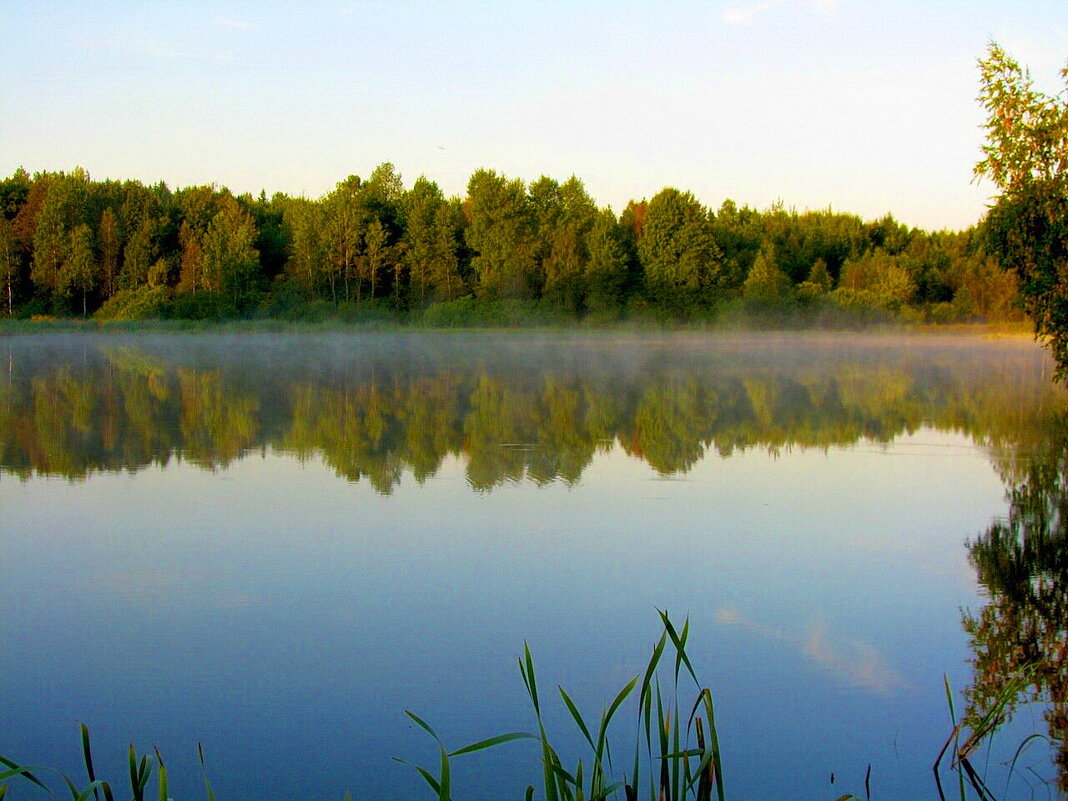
{"x":276,"y":544}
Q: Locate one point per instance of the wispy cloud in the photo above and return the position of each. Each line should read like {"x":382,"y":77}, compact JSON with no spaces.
{"x":153,"y":49}
{"x":855,"y":662}
{"x":749,"y":13}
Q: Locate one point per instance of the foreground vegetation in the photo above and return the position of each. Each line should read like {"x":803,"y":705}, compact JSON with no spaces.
{"x":676,"y":752}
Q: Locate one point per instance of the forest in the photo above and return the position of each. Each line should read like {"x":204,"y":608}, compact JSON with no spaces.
{"x":71,"y":246}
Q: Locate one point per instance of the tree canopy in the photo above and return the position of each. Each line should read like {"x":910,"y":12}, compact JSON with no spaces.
{"x":73,"y":246}
{"x":1026,"y":156}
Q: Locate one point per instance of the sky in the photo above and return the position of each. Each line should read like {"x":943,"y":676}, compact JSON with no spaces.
{"x":866,"y":107}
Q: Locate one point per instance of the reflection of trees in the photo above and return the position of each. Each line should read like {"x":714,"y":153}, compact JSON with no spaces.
{"x":1023,"y":563}
{"x":515,"y":411}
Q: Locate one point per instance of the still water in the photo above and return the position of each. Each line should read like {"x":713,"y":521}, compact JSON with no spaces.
{"x":274,"y":545}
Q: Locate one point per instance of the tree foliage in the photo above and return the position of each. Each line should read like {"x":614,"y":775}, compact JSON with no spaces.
{"x":545,"y":250}
{"x":1026,"y":156}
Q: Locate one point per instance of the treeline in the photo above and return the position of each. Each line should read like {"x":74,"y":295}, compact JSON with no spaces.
{"x":71,"y":246}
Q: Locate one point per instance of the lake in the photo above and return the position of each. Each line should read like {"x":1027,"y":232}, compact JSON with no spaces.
{"x":274,"y":545}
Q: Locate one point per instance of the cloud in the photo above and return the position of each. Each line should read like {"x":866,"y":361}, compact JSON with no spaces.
{"x":151,"y":49}
{"x":852,"y":661}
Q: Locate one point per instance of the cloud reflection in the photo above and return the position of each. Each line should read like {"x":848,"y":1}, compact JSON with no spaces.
{"x":851,"y":661}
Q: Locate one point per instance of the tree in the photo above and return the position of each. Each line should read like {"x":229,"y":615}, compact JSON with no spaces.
{"x":308,"y":263}
{"x":766,"y":282}
{"x":139,"y":254}
{"x":343,"y":222}
{"x":678,"y":250}
{"x":109,"y":251}
{"x":502,"y":233}
{"x":78,"y":272}
{"x":430,"y":245}
{"x":230,"y":260}
{"x":607,"y":268}
{"x":60,"y":213}
{"x":9,"y":260}
{"x":1026,"y":156}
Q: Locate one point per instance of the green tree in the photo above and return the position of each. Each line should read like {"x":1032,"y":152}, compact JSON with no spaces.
{"x":60,"y":213}
{"x":308,"y":264}
{"x":607,"y":269}
{"x":109,"y":251}
{"x":9,"y":261}
{"x":881,"y":276}
{"x":343,"y":227}
{"x":197,"y":207}
{"x":430,"y":245}
{"x":78,"y":272}
{"x":139,"y":255}
{"x":502,"y":235}
{"x":766,"y":282}
{"x":565,"y":213}
{"x":230,"y":260}
{"x":1026,"y":156}
{"x":376,"y":255}
{"x":677,"y":247}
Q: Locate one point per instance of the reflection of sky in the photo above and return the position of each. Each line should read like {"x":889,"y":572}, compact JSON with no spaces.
{"x":274,"y":611}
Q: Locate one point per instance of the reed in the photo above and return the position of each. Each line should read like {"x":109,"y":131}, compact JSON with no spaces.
{"x":672,"y":761}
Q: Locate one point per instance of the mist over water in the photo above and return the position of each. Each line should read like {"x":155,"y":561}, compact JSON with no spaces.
{"x":275,"y":544}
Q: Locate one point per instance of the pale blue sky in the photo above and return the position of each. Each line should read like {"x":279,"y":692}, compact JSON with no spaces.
{"x":868,"y":107}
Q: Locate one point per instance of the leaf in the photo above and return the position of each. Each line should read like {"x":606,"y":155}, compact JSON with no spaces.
{"x":492,"y":741}
{"x":87,"y":756}
{"x":575,"y":714}
{"x":423,"y":724}
{"x":430,"y":780}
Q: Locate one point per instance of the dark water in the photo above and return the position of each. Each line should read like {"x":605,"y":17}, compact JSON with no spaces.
{"x":276,"y":545}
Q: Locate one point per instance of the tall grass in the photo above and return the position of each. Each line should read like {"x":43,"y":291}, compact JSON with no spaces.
{"x":672,"y":760}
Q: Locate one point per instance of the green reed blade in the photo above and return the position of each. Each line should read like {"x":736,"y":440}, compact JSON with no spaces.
{"x":25,"y":772}
{"x":71,"y":788}
{"x":108,"y":795}
{"x":133,"y":774}
{"x":620,"y":698}
{"x":713,"y":742}
{"x":446,"y":783}
{"x":560,"y":772}
{"x":492,"y":741}
{"x":3,"y":791}
{"x":203,"y":768}
{"x":90,"y":790}
{"x":423,"y":724}
{"x":575,"y":714}
{"x":532,"y":684}
{"x":427,"y":775}
{"x":549,"y":761}
{"x":144,"y":774}
{"x":87,"y":756}
{"x":530,"y":793}
{"x":162,"y":781}
{"x":680,"y":645}
{"x":658,"y":649}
